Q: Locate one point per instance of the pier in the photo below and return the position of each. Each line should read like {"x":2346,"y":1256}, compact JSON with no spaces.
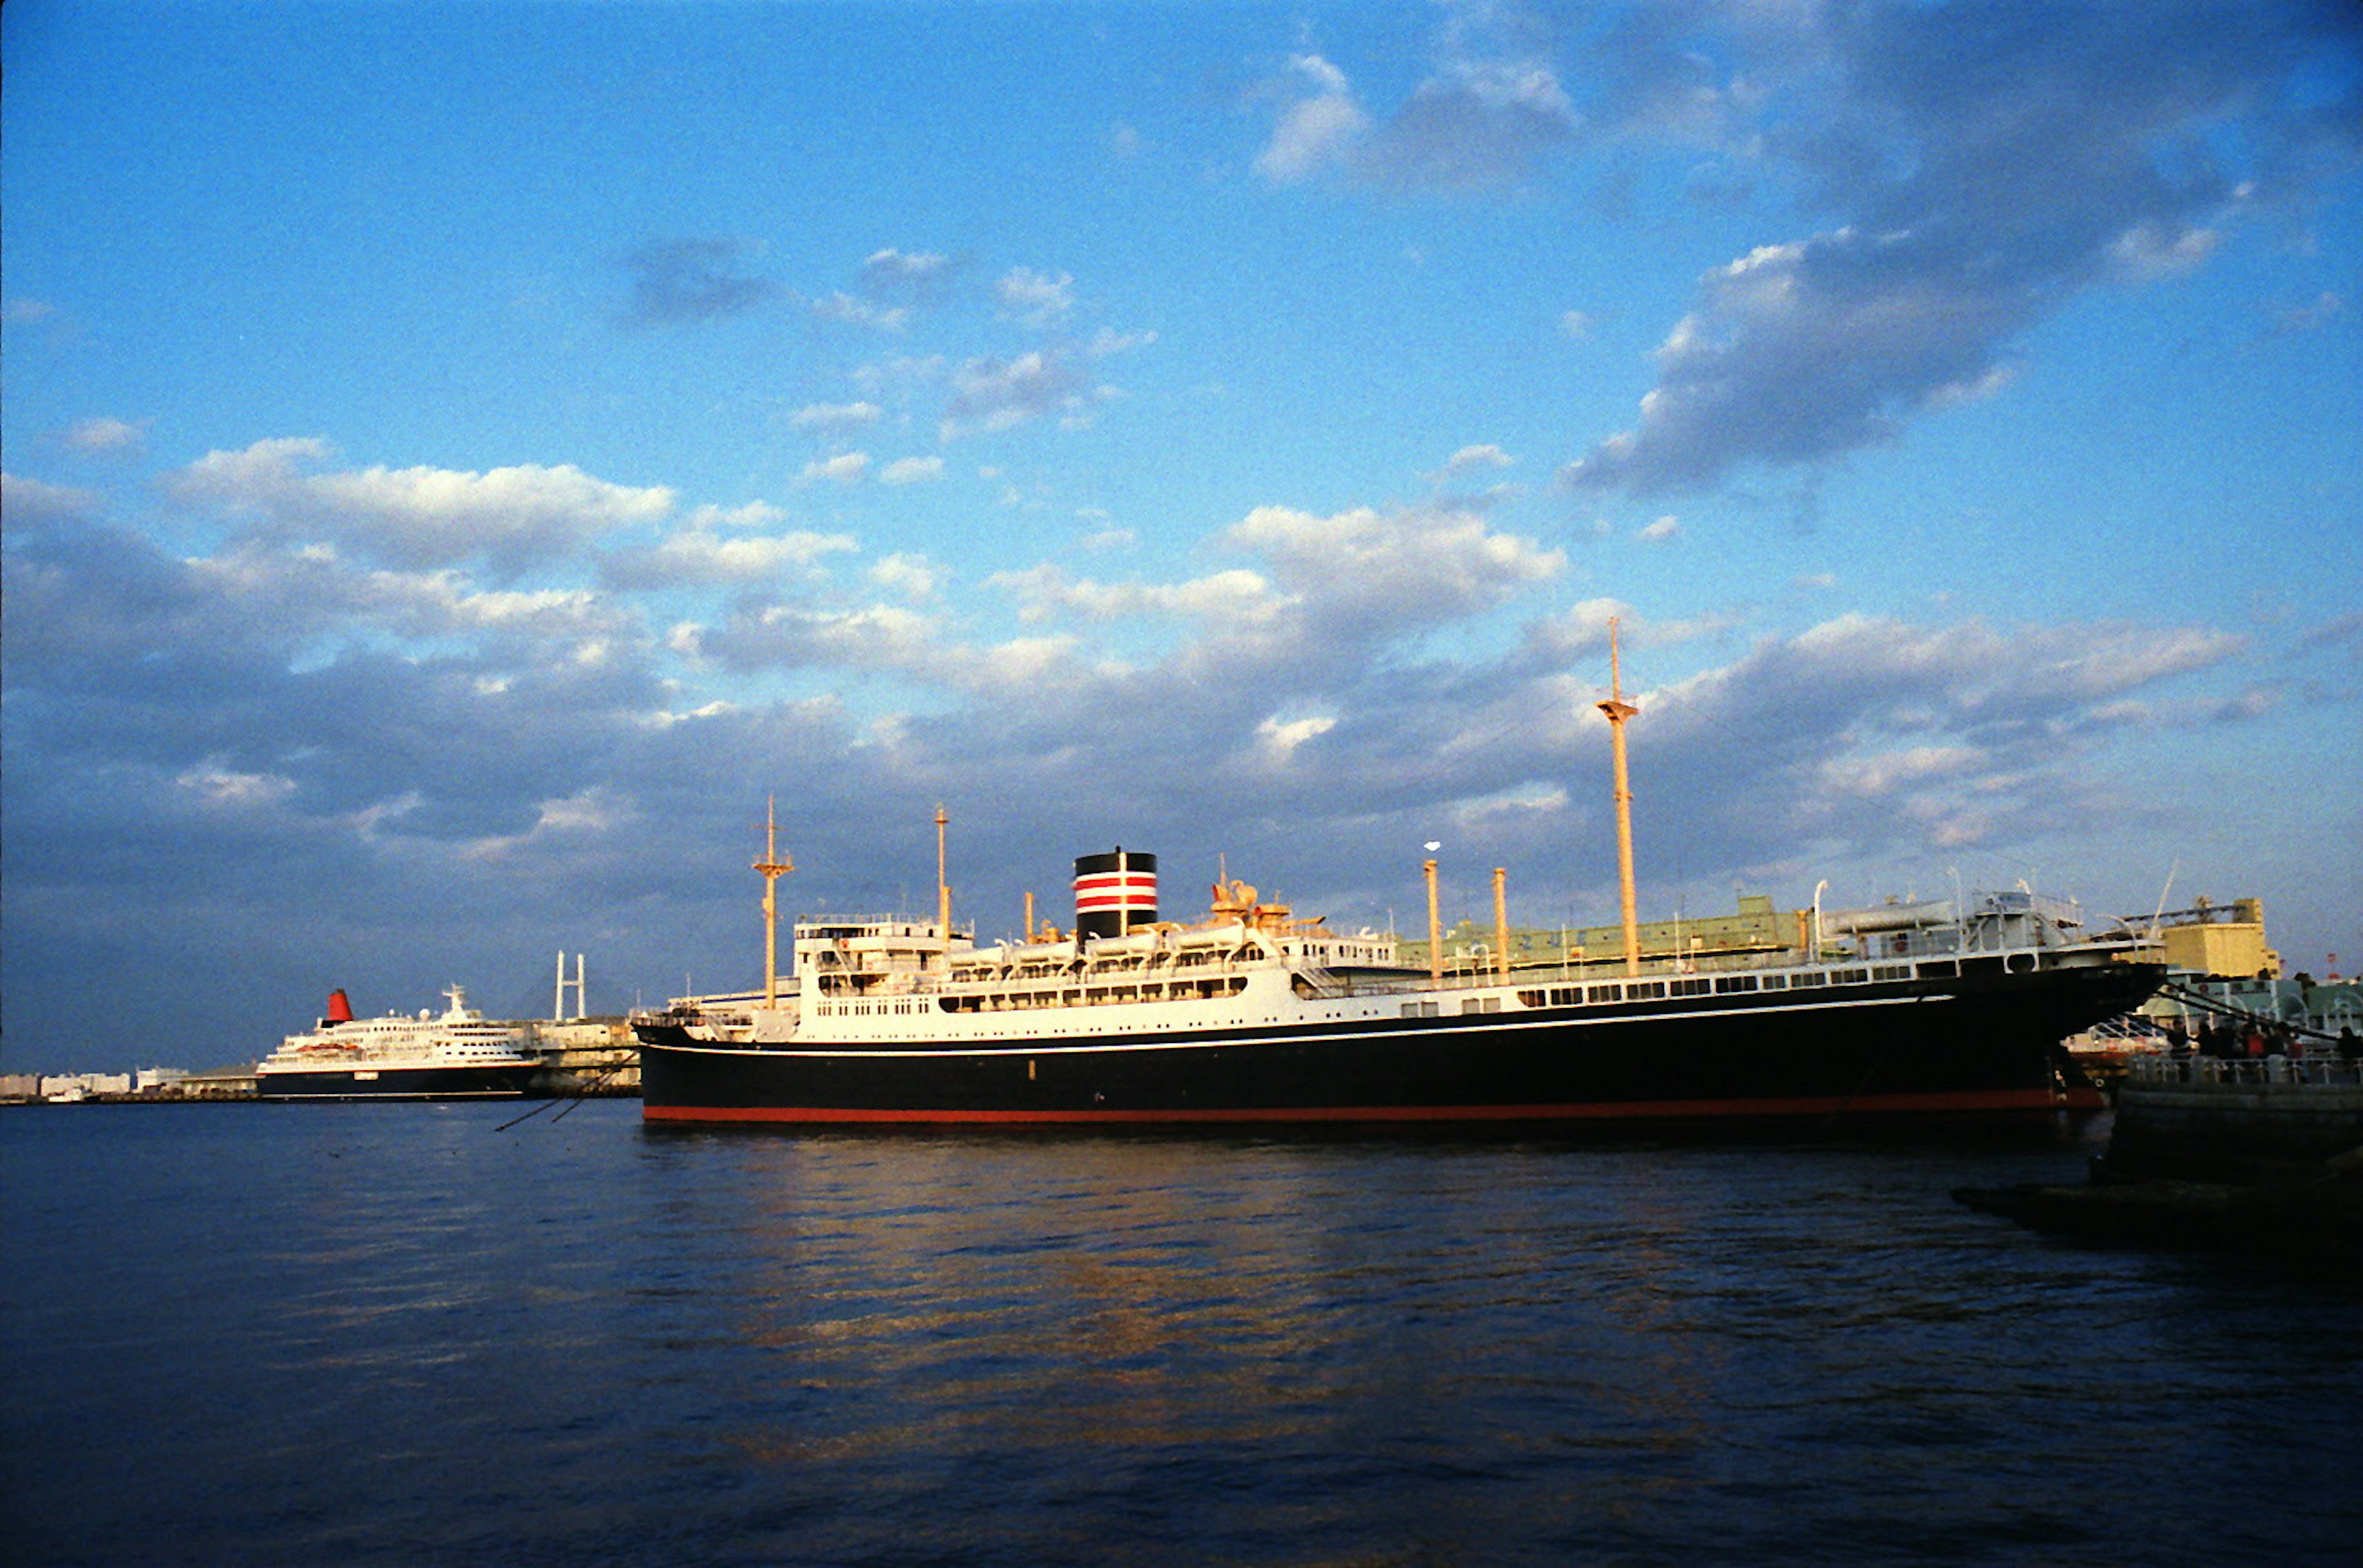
{"x":2262,"y":1155}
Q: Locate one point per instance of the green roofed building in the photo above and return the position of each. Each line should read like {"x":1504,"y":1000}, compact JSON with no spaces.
{"x":1757,"y":928}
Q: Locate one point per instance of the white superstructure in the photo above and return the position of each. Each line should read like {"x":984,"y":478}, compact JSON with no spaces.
{"x":459,"y":1037}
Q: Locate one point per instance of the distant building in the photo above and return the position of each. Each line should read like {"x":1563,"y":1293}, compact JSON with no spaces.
{"x":602,"y":1053}
{"x":2327,"y":1008}
{"x":65,"y":1087}
{"x":219,"y":1084}
{"x":159,"y":1080}
{"x":2223,"y":941}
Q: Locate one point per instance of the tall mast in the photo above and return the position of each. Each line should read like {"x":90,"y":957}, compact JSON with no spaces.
{"x":1435,"y":927}
{"x":772,"y":867}
{"x":1618,"y":710}
{"x":943,"y":888}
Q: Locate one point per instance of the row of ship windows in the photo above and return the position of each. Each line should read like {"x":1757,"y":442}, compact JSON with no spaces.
{"x":1179,"y":990}
{"x":1717,"y":985}
{"x":1131,"y":964}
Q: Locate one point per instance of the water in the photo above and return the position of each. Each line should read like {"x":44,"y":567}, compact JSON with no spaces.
{"x":392,"y":1334}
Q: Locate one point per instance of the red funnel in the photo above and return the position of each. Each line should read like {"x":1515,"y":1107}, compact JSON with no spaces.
{"x":340,"y":1007}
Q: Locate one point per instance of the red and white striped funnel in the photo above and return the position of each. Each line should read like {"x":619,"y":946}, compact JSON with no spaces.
{"x":1114,"y":892}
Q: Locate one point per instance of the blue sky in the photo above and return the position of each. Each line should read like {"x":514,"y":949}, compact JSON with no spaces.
{"x":462,"y":459}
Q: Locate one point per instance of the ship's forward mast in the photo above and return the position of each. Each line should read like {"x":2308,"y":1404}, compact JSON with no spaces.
{"x":772,"y":867}
{"x":1618,"y":711}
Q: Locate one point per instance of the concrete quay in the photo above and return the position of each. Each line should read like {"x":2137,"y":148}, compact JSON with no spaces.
{"x":2262,"y":1157}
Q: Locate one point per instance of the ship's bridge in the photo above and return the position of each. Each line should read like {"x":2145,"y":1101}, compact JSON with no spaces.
{"x":866,"y":955}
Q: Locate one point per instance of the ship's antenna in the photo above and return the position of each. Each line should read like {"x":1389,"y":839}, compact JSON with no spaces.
{"x":1618,"y":710}
{"x":943,"y":888}
{"x":772,"y":867}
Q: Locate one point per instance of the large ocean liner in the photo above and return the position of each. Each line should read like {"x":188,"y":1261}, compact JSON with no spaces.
{"x":458,"y":1055}
{"x":1254,"y":1015}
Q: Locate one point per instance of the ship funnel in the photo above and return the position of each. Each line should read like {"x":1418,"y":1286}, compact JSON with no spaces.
{"x":341,"y":1007}
{"x":1115,"y":893}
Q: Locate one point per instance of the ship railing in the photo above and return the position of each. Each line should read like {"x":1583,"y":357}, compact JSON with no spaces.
{"x":2210,"y":1069}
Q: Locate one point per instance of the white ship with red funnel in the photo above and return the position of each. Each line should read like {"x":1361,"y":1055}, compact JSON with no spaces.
{"x":458,"y":1055}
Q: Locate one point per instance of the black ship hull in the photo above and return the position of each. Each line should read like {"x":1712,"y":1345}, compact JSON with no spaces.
{"x":1983,"y":1047}
{"x":508,"y":1081}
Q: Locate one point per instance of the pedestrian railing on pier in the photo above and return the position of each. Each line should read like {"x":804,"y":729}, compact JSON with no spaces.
{"x":2203,"y":1070}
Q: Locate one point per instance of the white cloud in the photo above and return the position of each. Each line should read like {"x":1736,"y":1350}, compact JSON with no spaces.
{"x":902,"y":266}
{"x":854,"y":311}
{"x":1225,"y":598}
{"x":836,"y":417}
{"x":593,"y":812}
{"x":223,"y":788}
{"x":1037,"y":299}
{"x":1396,"y":568}
{"x":902,"y":371}
{"x":911,"y":471}
{"x":104,"y":435}
{"x":1316,"y":131}
{"x":745,"y":519}
{"x":2306,"y":318}
{"x":1883,"y":772}
{"x":1971,"y":204}
{"x":1661,"y":531}
{"x":1470,"y":458}
{"x":845,"y":468}
{"x":703,"y":555}
{"x":2152,"y":249}
{"x":1279,"y":738}
{"x":1485,"y":116}
{"x":997,"y":395}
{"x":25,"y":502}
{"x":913,"y":577}
{"x":419,"y":517}
{"x":1107,"y":342}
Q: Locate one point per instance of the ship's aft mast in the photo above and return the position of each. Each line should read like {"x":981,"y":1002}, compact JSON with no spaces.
{"x":772,"y":867}
{"x":1618,"y":710}
{"x":943,"y":888}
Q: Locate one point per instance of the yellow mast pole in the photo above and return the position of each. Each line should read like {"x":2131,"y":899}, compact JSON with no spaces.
{"x":1029,"y":916}
{"x":1618,"y":710}
{"x":1435,"y":927}
{"x":1501,"y":927}
{"x":772,"y":867}
{"x":943,"y":888}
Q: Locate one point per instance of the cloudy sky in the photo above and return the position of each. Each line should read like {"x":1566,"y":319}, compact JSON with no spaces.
{"x":462,"y":459}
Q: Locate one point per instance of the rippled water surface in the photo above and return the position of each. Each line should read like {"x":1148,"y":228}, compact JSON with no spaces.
{"x":255,"y":1334}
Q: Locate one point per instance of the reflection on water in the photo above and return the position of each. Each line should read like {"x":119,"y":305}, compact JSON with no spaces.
{"x":391,"y":1333}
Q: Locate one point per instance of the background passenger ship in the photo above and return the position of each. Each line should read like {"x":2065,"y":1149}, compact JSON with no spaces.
{"x":456,"y":1056}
